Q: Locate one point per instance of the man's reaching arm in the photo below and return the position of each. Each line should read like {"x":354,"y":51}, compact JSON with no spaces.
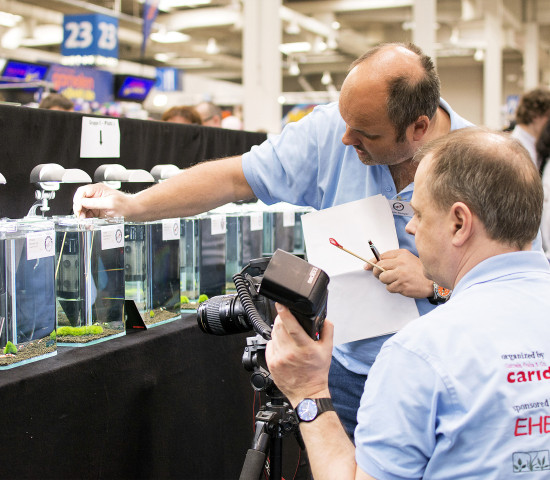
{"x":195,"y":190}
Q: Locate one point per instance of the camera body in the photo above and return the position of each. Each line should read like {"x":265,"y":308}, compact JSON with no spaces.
{"x":285,"y":278}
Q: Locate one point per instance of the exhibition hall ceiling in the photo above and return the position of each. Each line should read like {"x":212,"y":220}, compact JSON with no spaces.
{"x":320,"y":37}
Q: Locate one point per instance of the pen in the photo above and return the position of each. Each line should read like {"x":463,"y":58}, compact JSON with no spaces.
{"x":374,"y":250}
{"x":373,"y":265}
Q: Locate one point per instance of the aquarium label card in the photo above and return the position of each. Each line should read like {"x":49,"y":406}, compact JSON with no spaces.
{"x":218,"y":225}
{"x":112,"y":236}
{"x":100,"y":138}
{"x":40,"y":244}
{"x":256,"y":221}
{"x":170,"y":229}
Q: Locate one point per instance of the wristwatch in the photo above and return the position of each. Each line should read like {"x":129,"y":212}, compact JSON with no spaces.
{"x":441,"y":295}
{"x":310,"y":408}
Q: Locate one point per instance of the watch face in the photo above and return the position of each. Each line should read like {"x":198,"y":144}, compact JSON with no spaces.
{"x":307,"y":410}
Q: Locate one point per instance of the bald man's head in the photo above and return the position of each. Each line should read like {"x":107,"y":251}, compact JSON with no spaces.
{"x":402,"y":76}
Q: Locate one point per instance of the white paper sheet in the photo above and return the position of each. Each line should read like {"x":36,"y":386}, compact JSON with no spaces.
{"x":358,"y":304}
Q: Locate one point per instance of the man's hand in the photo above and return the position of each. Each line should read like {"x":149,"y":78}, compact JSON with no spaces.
{"x":99,"y":200}
{"x":404,"y":274}
{"x":299,"y":365}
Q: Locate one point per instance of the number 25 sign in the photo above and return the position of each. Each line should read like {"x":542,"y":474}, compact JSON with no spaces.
{"x":91,"y":34}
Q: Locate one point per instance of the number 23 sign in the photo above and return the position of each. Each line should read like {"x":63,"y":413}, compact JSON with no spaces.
{"x":92,"y":34}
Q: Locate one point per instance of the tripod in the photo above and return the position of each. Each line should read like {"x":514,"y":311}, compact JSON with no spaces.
{"x":274,"y":421}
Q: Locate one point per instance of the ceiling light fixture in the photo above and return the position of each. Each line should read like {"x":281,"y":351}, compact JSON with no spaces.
{"x":293,"y":68}
{"x":9,"y":20}
{"x":479,"y":55}
{"x":212,"y":47}
{"x":293,"y":28}
{"x":167,"y":5}
{"x":326,"y":79}
{"x":170,"y":37}
{"x":295,"y":47}
{"x":164,"y":57}
{"x":44,"y":35}
{"x":319,"y":45}
{"x":12,"y":38}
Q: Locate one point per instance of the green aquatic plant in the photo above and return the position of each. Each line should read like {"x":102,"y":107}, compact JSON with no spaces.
{"x":184,"y":299}
{"x":203,"y":297}
{"x":53,"y":335}
{"x":78,"y":331}
{"x":10,"y":348}
{"x":151,"y":313}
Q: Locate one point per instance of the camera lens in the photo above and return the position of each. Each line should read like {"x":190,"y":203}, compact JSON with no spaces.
{"x":223,"y":315}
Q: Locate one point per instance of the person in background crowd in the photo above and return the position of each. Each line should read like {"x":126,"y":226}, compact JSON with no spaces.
{"x":531,"y":115}
{"x":389,"y":107}
{"x":461,"y":392}
{"x":56,"y":101}
{"x":543,"y":157}
{"x":211,"y":115}
{"x":182,"y":114}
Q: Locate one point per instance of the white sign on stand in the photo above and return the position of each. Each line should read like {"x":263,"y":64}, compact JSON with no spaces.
{"x":100,"y":138}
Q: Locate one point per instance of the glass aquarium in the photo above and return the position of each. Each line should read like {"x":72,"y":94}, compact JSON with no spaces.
{"x":27,"y":291}
{"x":89,"y":280}
{"x":299,"y":247}
{"x":163,"y":300}
{"x":203,"y":249}
{"x":243,"y":242}
{"x":136,"y":264}
{"x":279,"y":223}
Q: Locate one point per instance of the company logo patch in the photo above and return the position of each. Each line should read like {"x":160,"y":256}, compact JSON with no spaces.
{"x":536,"y":461}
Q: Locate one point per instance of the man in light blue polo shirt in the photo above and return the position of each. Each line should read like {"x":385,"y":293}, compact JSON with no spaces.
{"x":389,"y":107}
{"x":462,"y":392}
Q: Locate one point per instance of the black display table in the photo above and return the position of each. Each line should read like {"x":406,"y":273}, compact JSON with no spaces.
{"x":168,"y":403}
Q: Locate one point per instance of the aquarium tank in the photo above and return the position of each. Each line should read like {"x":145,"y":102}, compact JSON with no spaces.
{"x":89,"y":280}
{"x":203,"y":257}
{"x":27,"y":291}
{"x":162,"y":263}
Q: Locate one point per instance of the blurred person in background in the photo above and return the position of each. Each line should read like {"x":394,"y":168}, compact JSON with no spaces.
{"x":531,"y":116}
{"x":57,"y":101}
{"x":543,"y":155}
{"x":211,"y":115}
{"x":182,"y":114}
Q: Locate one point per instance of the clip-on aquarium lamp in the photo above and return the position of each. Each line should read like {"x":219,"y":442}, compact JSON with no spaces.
{"x":48,"y":177}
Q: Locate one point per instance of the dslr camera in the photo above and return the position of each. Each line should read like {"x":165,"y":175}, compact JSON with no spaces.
{"x":283,"y":278}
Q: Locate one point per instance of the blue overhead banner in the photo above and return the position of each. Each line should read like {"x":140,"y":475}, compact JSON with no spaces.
{"x":90,"y":37}
{"x":150,"y":11}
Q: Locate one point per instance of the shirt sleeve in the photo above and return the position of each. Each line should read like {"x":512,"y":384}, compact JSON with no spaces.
{"x":286,"y":167}
{"x":395,"y":436}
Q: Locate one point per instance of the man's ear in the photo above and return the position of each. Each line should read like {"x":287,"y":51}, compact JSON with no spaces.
{"x":462,"y":223}
{"x":420,"y":127}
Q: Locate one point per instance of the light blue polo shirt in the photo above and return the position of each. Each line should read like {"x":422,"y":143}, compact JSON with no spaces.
{"x":307,"y":164}
{"x":464,"y":392}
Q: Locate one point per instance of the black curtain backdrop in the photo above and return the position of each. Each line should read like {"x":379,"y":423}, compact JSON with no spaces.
{"x":33,"y":136}
{"x":170,"y":402}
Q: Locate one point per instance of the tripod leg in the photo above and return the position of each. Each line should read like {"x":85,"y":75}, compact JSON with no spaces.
{"x":255,"y":457}
{"x":276,"y":459}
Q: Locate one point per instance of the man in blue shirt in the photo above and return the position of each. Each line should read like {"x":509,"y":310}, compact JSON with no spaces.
{"x":389,"y":107}
{"x":461,"y":392}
